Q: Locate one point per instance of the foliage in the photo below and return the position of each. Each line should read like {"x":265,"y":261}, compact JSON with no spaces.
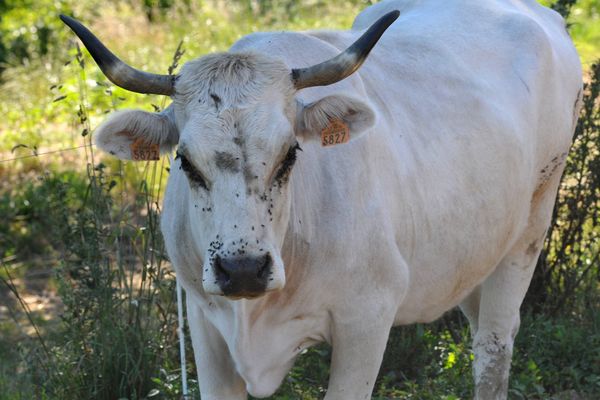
{"x":564,"y":7}
{"x":433,"y":361}
{"x":117,"y":332}
{"x":91,"y":223}
{"x":567,"y":276}
{"x":555,"y":356}
{"x":584,"y":27}
{"x":28,"y":30}
{"x":117,"y":296}
{"x":45,"y":88}
{"x":110,"y":318}
{"x":118,"y":325}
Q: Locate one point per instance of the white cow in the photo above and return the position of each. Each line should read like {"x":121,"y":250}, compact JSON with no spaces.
{"x":459,"y":125}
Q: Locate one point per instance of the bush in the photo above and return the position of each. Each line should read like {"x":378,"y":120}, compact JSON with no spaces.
{"x":567,"y":275}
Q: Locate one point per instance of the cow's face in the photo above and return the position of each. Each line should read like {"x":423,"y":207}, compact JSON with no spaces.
{"x":236,"y":149}
{"x":237,"y":131}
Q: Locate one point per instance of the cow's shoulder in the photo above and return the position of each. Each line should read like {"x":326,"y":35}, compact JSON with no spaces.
{"x":286,"y":45}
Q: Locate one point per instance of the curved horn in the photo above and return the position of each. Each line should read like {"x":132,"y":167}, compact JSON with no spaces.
{"x":345,"y":63}
{"x":116,"y":70}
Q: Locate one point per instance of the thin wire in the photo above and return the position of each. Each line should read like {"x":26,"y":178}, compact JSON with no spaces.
{"x":46,"y":153}
{"x":184,"y":386}
{"x":180,"y":329}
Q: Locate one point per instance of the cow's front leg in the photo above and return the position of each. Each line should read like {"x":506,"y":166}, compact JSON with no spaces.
{"x":358,"y":350}
{"x":217,"y":376}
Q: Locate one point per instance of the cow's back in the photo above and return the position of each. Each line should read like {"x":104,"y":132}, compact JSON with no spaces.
{"x":477,"y":49}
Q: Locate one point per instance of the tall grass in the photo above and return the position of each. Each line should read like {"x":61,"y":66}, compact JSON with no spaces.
{"x":567,"y":275}
{"x":117,"y":336}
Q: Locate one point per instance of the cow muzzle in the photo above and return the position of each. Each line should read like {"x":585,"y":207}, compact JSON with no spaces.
{"x":243,"y":277}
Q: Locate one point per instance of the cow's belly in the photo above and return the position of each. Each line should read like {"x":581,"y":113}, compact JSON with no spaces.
{"x":447,"y":269}
{"x":458,"y":227}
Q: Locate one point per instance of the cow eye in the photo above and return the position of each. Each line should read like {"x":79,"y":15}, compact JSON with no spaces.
{"x":192,"y":173}
{"x":288,"y":162}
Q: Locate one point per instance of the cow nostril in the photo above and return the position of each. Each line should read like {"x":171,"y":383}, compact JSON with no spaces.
{"x":245,"y":276}
{"x":265,"y":267}
{"x":220,"y":272}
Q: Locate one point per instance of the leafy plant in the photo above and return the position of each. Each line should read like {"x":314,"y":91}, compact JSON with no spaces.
{"x":567,"y":274}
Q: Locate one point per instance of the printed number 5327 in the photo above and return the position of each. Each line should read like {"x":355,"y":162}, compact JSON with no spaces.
{"x":334,"y":138}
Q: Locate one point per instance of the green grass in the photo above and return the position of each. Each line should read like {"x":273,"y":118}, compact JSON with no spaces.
{"x":37,"y":88}
{"x":585,"y":30}
{"x":46,"y":89}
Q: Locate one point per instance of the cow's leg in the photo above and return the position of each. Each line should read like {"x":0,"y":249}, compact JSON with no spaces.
{"x":501,"y":296}
{"x":470,"y":308}
{"x":498,"y":322}
{"x":357,"y":354}
{"x":217,"y":376}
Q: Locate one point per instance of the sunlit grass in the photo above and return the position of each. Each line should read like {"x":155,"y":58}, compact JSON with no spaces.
{"x":38,"y":101}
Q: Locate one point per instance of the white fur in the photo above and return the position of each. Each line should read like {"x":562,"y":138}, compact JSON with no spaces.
{"x":314,"y":117}
{"x":116,"y":134}
{"x":466,"y":114}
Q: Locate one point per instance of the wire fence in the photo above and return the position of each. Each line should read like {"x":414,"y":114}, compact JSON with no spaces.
{"x":45,"y":153}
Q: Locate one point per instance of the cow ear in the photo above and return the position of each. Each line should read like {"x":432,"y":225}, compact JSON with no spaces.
{"x":313,"y":118}
{"x":128,"y":130}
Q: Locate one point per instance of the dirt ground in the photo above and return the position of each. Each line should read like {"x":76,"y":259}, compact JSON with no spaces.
{"x":35,"y":293}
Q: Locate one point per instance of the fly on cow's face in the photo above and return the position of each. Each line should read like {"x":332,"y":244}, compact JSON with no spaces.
{"x":192,"y":173}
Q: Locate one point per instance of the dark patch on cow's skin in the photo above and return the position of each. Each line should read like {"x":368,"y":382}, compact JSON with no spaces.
{"x":226,"y":162}
{"x":216,"y":100}
{"x":239,"y":140}
{"x":285,"y":168}
{"x":532,"y":249}
{"x":248,"y":174}
{"x":550,"y":169}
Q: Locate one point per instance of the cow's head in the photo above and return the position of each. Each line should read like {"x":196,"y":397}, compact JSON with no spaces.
{"x":236,"y":127}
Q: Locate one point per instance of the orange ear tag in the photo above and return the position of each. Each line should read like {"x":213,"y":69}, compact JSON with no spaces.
{"x":144,"y":151}
{"x":336,"y":132}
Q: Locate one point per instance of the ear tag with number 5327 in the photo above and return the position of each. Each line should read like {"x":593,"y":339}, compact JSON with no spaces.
{"x":144,"y":151}
{"x":336,"y":132}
